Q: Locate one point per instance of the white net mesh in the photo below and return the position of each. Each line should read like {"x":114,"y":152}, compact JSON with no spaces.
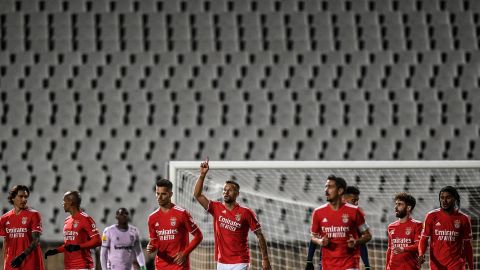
{"x":285,"y":197}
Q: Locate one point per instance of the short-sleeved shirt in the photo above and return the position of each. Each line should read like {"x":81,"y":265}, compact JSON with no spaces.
{"x":231,"y":232}
{"x":121,"y":246}
{"x":339,"y":225}
{"x":169,"y":233}
{"x":447,"y":232}
{"x":78,"y":229}
{"x":17,"y":230}
{"x":402,"y":235}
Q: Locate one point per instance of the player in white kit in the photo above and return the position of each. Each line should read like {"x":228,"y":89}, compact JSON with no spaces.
{"x":121,"y":245}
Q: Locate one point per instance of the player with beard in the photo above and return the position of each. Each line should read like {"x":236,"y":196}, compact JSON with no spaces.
{"x":231,"y":223}
{"x":339,"y":228}
{"x":121,"y":244}
{"x":450,"y":234}
{"x":21,"y":228}
{"x":80,"y":235}
{"x":169,"y":228}
{"x":403,"y":236}
{"x":351,"y":196}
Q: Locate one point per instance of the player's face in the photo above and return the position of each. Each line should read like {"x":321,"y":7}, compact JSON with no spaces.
{"x":122,"y":216}
{"x":230,"y":193}
{"x":331,"y":191}
{"x":20,"y":201}
{"x":164,"y":196}
{"x":67,"y":203}
{"x":351,"y":199}
{"x":400,"y":209}
{"x":447,"y":201}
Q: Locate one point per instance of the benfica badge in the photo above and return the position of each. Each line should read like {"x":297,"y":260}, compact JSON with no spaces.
{"x":24,"y":220}
{"x":173,"y":221}
{"x":345,"y":218}
{"x":238,"y":217}
{"x":456,"y":223}
{"x":408,"y":231}
{"x":75,"y":223}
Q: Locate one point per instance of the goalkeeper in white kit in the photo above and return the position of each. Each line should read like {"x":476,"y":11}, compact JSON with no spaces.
{"x":121,"y":245}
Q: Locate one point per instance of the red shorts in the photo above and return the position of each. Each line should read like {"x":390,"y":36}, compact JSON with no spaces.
{"x":340,"y":263}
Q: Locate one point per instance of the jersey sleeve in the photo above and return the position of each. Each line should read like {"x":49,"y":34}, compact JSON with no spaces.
{"x":2,"y":228}
{"x":360,"y":221}
{"x":106,"y":238}
{"x":418,"y":232}
{"x":151,"y":229}
{"x":189,"y":222}
{"x":315,"y":227}
{"x":89,"y":226}
{"x":427,"y":225}
{"x":252,"y":220}
{"x":211,"y":207}
{"x":36,"y":222}
{"x":467,"y":232}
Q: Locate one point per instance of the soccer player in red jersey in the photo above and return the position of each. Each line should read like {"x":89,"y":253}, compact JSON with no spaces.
{"x":450,"y":234}
{"x":21,"y":228}
{"x":336,"y":227}
{"x":169,"y":228}
{"x":231,"y":223}
{"x":80,"y":235}
{"x":403,"y":235}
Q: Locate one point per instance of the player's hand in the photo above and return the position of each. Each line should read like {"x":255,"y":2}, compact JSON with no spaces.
{"x":179,"y":258}
{"x":266,"y":264}
{"x":151,"y":248}
{"x":325,"y":241}
{"x":309,"y":266}
{"x":204,"y":167}
{"x":351,"y":242}
{"x":18,"y":260}
{"x":397,"y":250}
{"x":50,"y":252}
{"x":72,"y":248}
{"x":421,"y":259}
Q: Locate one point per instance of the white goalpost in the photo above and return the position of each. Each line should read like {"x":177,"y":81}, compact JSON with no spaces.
{"x":284,"y":194}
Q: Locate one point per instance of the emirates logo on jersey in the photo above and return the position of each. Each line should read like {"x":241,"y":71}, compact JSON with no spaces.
{"x":173,"y":221}
{"x":238,"y":217}
{"x":345,"y":218}
{"x":24,"y":220}
{"x":456,"y":224}
{"x":408,"y":231}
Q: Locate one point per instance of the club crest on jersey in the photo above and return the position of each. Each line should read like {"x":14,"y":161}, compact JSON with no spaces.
{"x":75,"y":223}
{"x":238,"y":217}
{"x":24,"y":220}
{"x":456,"y":224}
{"x":408,"y":231}
{"x":132,"y":238}
{"x":173,"y":221}
{"x":345,"y":218}
{"x":392,"y":232}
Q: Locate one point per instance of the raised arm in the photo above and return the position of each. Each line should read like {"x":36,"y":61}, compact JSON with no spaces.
{"x":17,"y":261}
{"x":198,"y":191}
{"x":263,"y":248}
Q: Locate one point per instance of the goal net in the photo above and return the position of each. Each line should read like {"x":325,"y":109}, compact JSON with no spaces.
{"x":285,"y":193}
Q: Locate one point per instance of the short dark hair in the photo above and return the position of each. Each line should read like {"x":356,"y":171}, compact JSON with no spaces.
{"x":75,"y":197}
{"x":408,"y":199}
{"x":340,"y":183}
{"x":120,"y":209}
{"x":453,"y":191}
{"x":161,"y":182}
{"x":237,"y":186}
{"x":14,"y":191}
{"x":351,"y":190}
{"x":331,"y":177}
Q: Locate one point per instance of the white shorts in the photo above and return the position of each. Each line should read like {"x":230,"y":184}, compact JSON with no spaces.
{"x":236,"y":266}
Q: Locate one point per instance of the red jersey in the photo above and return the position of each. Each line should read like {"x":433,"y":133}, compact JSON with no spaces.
{"x":17,"y":230}
{"x":169,"y":233}
{"x":447,"y":233}
{"x":231,"y":228}
{"x":78,"y":229}
{"x":338,"y":226}
{"x":406,"y":234}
